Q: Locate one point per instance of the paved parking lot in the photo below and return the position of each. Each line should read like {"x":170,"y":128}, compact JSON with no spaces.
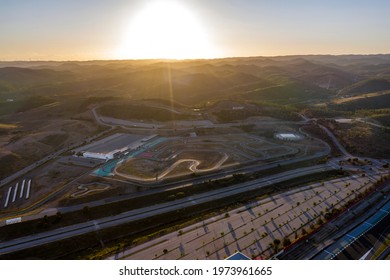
{"x":252,"y":228}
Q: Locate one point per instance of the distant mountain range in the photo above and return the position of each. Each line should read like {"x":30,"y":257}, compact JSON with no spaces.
{"x":287,"y":79}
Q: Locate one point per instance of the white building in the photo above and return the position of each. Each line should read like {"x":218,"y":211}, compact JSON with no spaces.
{"x":288,"y":136}
{"x":104,"y":156}
{"x":107,"y":148}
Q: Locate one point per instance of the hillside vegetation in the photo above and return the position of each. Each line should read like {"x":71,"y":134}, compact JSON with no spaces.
{"x":140,"y":112}
{"x":288,"y":80}
{"x":367,"y":86}
{"x":47,"y":105}
{"x":373,"y":102}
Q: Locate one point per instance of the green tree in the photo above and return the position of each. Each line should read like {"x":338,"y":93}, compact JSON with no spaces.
{"x":286,"y":242}
{"x":58,"y":217}
{"x":86,"y":211}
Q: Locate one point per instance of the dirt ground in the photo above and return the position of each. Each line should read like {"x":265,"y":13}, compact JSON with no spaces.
{"x":39,"y":132}
{"x":45,"y":180}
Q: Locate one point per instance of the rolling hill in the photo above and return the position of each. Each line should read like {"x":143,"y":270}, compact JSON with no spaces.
{"x":366,"y":86}
{"x":286,"y":79}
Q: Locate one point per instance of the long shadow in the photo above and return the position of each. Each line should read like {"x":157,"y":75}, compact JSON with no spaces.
{"x":232,"y":231}
{"x":288,"y":227}
{"x":269,"y":232}
{"x":277,"y":227}
{"x":227,"y":251}
{"x":217,"y":254}
{"x":307,"y":215}
{"x":258,"y":244}
{"x":327,"y":204}
{"x":287,"y":198}
{"x":252,"y":251}
{"x":315,"y":211}
{"x":273,"y":200}
{"x":301,"y":219}
{"x":206,"y":229}
{"x":238,"y":246}
{"x":181,"y":248}
{"x":250,"y":211}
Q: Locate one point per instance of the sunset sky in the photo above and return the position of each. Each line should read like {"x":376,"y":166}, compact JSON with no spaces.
{"x":133,"y":29}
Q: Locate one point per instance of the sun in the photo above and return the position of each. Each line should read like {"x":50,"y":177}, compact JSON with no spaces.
{"x":165,"y":30}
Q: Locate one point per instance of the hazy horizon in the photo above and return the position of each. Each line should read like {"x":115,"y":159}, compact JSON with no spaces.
{"x":195,"y":59}
{"x":43,"y":30}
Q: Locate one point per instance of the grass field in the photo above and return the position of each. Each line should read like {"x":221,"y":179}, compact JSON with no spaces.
{"x":184,"y":162}
{"x":142,"y":168}
{"x":8,"y":126}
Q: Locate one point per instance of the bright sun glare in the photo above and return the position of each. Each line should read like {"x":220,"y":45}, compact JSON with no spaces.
{"x":165,"y":30}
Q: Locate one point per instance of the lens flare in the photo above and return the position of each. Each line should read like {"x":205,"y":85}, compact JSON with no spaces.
{"x":166,"y":30}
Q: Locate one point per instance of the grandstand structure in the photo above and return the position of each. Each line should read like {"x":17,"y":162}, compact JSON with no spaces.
{"x":113,"y":145}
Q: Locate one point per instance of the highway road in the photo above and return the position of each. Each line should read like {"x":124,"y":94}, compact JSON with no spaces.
{"x":139,"y":214}
{"x":336,"y":141}
{"x":371,"y":123}
{"x":359,"y":242}
{"x":330,"y":134}
{"x":362,"y":247}
{"x":98,"y":120}
{"x":313,"y":245}
{"x":385,"y":255}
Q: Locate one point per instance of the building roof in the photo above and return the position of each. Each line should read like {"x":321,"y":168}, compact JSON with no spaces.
{"x":238,"y":256}
{"x":288,"y":135}
{"x":111,"y":143}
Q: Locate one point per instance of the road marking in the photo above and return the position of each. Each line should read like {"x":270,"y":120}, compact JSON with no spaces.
{"x":28,"y":189}
{"x":15,"y":192}
{"x":7,"y":199}
{"x":191,"y":200}
{"x":97,"y":227}
{"x":366,"y":254}
{"x":326,"y":251}
{"x":22,"y":189}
